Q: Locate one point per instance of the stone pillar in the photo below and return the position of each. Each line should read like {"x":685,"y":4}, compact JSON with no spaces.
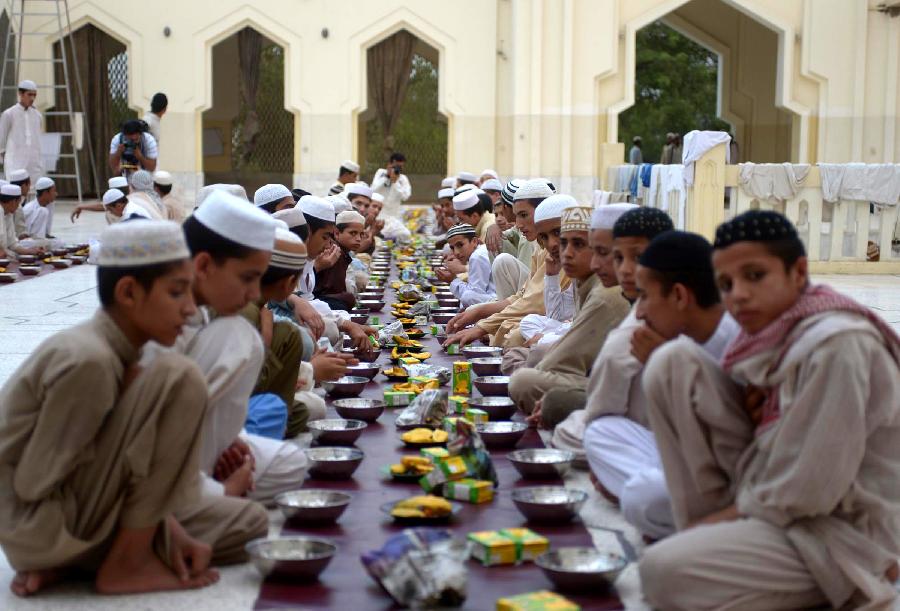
{"x":706,"y":198}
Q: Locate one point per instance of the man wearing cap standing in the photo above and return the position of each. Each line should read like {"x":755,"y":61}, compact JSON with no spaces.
{"x":635,"y":156}
{"x":39,"y":211}
{"x":347,"y":173}
{"x":392,"y":184}
{"x":20,"y":134}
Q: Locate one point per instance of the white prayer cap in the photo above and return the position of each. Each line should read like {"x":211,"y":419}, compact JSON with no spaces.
{"x":358,"y":188}
{"x":552,"y":207}
{"x":605,"y":217}
{"x":235,"y":190}
{"x":340,"y":203}
{"x":377,"y":197}
{"x":118,"y":182}
{"x":161,"y":177}
{"x":446,"y":192}
{"x":112,"y":196}
{"x":491,"y":173}
{"x":536,"y":188}
{"x":233,"y":218}
{"x":18,"y":175}
{"x":289,"y":252}
{"x":491,"y":184}
{"x":450,"y":181}
{"x":467,"y":177}
{"x":141,"y":243}
{"x":317,"y":207}
{"x":464,"y":188}
{"x":461,"y":229}
{"x":292,"y":216}
{"x":350,"y":165}
{"x":270,"y":193}
{"x":350,"y":216}
{"x":28,"y":85}
{"x":465,"y":200}
{"x":43,"y":183}
{"x":11,"y":190}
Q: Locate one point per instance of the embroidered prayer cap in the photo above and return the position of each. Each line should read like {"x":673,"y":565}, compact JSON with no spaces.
{"x":112,"y":196}
{"x":234,"y":190}
{"x":317,"y":207}
{"x":575,"y":218}
{"x":350,"y":165}
{"x":465,"y":200}
{"x":377,"y":197}
{"x":358,"y":188}
{"x":449,"y":182}
{"x":235,"y":219}
{"x":536,"y":188}
{"x":605,"y":217}
{"x":11,"y":190}
{"x":289,"y":251}
{"x":28,"y":85}
{"x":269,"y":193}
{"x":18,"y":176}
{"x":491,"y":173}
{"x":466,"y":177}
{"x":339,"y":203}
{"x":491,"y":184}
{"x":755,"y":226}
{"x":142,"y":180}
{"x":350,"y":216}
{"x":140,"y":243}
{"x":446,"y":192}
{"x":163,"y":178}
{"x":673,"y":251}
{"x":463,"y":229}
{"x":552,"y":207}
{"x":117,"y":182}
{"x":509,"y":190}
{"x":292,"y":216}
{"x":335,"y":189}
{"x":642,"y":223}
{"x":43,"y":183}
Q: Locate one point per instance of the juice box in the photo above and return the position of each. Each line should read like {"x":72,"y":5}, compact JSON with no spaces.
{"x":462,"y":378}
{"x":408,"y":360}
{"x":452,"y":349}
{"x":476,"y":416}
{"x":458,"y":404}
{"x":529,"y":543}
{"x":507,"y":546}
{"x":543,"y":600}
{"x":374,"y":320}
{"x":423,"y":379}
{"x":445,"y":470}
{"x":469,"y":490}
{"x":398,"y":398}
{"x":434,"y":453}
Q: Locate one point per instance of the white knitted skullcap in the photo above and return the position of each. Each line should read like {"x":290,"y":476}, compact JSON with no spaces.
{"x":141,"y":243}
{"x":446,"y":192}
{"x":112,"y":196}
{"x":28,"y":85}
{"x":491,"y":173}
{"x":340,"y":203}
{"x":467,"y":176}
{"x":269,"y":193}
{"x":450,"y":182}
{"x":161,"y":177}
{"x":350,"y":216}
{"x":292,"y":216}
{"x":605,"y":217}
{"x":12,"y":190}
{"x":43,"y":182}
{"x":350,"y":165}
{"x":491,"y":184}
{"x":378,"y":197}
{"x":536,"y":188}
{"x":234,"y":190}
{"x":117,"y":182}
{"x":465,"y":200}
{"x":552,"y":207}
{"x":18,"y":175}
{"x":235,"y":219}
{"x":318,"y":207}
{"x":358,"y":188}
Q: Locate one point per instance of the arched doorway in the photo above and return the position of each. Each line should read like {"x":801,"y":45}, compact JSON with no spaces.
{"x":248,"y":135}
{"x":402,"y":113}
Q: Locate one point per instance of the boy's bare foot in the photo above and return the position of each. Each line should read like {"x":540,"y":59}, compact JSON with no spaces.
{"x":147,"y":574}
{"x":26,"y":583}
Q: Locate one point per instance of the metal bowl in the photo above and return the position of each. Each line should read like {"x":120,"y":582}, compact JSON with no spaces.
{"x":26,"y":259}
{"x":372,"y":304}
{"x":7,"y":277}
{"x":486,"y":366}
{"x":313,"y":506}
{"x":59,"y":252}
{"x":77,"y":259}
{"x":475,"y":352}
{"x":445,"y":310}
{"x":363,"y":370}
{"x":294,"y":558}
{"x":448,"y":303}
{"x":501,"y":434}
{"x":360,"y":311}
{"x":549,"y":503}
{"x":333,"y":463}
{"x":360,"y":319}
{"x":29,"y":270}
{"x":442,"y":318}
{"x":4,"y":262}
{"x":368,"y":356}
{"x":497,"y":408}
{"x":336,"y":431}
{"x":373,"y":287}
{"x":347,"y":386}
{"x":367,"y":410}
{"x":371,"y":295}
{"x":492,"y":386}
{"x":541,"y":463}
{"x":580,"y":568}
{"x":61,"y":263}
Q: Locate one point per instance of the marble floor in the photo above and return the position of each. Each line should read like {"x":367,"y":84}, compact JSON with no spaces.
{"x":32,"y":310}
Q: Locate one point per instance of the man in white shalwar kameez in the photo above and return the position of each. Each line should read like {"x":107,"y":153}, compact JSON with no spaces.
{"x":20,"y":135}
{"x":39,"y":211}
{"x":468,"y":253}
{"x":395,"y":188}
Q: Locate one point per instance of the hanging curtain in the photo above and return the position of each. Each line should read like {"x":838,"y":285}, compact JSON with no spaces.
{"x":250,"y":44}
{"x":389,"y":64}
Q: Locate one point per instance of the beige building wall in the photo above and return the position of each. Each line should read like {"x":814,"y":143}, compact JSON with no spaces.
{"x":529,"y":87}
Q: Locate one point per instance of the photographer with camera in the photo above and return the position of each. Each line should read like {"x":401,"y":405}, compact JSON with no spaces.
{"x":132,"y":149}
{"x":392,"y":184}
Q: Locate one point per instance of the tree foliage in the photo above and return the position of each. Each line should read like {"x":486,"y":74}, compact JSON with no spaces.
{"x":674,"y":89}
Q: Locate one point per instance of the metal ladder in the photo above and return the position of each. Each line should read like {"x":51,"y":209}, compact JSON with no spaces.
{"x":19,"y":10}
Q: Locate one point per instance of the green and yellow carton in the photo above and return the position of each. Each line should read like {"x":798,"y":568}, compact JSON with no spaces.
{"x":445,"y":470}
{"x":398,"y":398}
{"x":543,"y":600}
{"x":476,"y":416}
{"x":507,"y":546}
{"x":469,"y":490}
{"x":434,"y":453}
{"x":462,"y":378}
{"x":459,"y":404}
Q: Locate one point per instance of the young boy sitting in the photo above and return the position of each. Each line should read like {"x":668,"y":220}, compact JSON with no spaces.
{"x":331,"y":280}
{"x":39,"y":211}
{"x":467,"y":250}
{"x":98,"y":453}
{"x":470,"y":210}
{"x":781,"y":462}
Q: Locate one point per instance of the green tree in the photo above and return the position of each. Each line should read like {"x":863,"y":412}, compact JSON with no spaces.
{"x":674,"y":89}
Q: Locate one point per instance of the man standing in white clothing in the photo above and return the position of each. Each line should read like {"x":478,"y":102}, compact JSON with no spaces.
{"x":393,"y":185}
{"x":20,"y":134}
{"x":158,"y":106}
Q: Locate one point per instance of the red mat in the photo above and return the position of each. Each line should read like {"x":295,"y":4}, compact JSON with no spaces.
{"x":345,"y":585}
{"x":13,"y":268}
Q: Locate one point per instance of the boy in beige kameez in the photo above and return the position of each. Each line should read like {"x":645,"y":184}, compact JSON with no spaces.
{"x":782,"y":462}
{"x":97,"y":454}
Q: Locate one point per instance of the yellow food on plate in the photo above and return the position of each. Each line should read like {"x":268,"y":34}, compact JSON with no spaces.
{"x":413,"y":465}
{"x":423,"y":435}
{"x":416,"y":387}
{"x":424,"y":506}
{"x":399,"y":372}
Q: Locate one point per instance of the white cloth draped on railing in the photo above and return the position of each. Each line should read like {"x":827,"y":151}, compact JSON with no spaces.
{"x":779,"y":181}
{"x":878,"y":183}
{"x":696,"y":144}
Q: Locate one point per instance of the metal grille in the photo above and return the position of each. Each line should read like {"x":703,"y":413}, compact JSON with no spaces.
{"x":117,"y":69}
{"x":7,"y":96}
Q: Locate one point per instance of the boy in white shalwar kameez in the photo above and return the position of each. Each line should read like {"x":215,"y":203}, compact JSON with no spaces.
{"x":467,"y":250}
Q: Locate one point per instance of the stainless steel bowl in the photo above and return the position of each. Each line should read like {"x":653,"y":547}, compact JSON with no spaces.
{"x":372,"y":304}
{"x":541,"y":463}
{"x":29,"y":270}
{"x":61,"y":263}
{"x":371,"y":296}
{"x":367,"y":410}
{"x":363,"y":370}
{"x":501,"y":434}
{"x":368,"y":356}
{"x":360,"y":319}
{"x":27,"y":259}
{"x":333,"y":463}
{"x":7,"y":277}
{"x":448,"y":302}
{"x":347,"y":386}
{"x":312,"y":506}
{"x":294,"y":558}
{"x":497,"y":408}
{"x":442,"y":318}
{"x":4,"y":262}
{"x":476,"y":352}
{"x":549,"y":503}
{"x":580,"y":568}
{"x":77,"y":259}
{"x":492,"y":386}
{"x":360,"y":311}
{"x":444,"y":310}
{"x":336,"y":431}
{"x":486,"y":366}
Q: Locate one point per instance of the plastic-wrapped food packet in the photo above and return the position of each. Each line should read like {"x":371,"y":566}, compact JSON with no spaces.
{"x":465,"y":441}
{"x":409,"y":292}
{"x":324,"y":344}
{"x":439,"y":373}
{"x":387,"y":333}
{"x":428,"y":409}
